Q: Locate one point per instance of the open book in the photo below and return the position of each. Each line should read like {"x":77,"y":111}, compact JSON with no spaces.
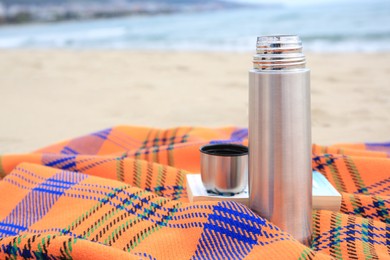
{"x":325,"y":196}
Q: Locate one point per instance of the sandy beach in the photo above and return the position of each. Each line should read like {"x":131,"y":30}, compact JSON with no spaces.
{"x":51,"y":95}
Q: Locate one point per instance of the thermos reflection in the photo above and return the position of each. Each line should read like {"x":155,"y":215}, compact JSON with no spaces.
{"x":280,"y":176}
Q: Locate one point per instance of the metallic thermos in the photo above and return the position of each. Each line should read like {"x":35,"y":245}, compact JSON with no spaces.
{"x":280,"y":175}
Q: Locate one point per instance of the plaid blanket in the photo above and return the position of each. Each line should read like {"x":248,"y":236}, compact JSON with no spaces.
{"x":120,"y":193}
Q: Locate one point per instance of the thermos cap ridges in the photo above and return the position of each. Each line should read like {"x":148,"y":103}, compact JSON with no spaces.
{"x":279,"y":52}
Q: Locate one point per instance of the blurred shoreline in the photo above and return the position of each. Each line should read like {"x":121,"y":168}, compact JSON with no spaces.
{"x":52,"y":95}
{"x":46,"y":11}
{"x":331,"y":28}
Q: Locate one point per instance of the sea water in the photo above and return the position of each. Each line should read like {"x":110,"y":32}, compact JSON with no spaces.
{"x":337,"y":27}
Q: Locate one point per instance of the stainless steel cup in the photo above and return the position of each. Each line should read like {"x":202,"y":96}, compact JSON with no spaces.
{"x":224,"y":167}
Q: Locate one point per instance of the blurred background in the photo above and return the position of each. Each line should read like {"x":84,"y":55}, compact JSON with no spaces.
{"x":193,"y":24}
{"x":71,"y":67}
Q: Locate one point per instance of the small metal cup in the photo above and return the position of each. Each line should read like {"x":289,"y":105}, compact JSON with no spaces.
{"x":224,"y":168}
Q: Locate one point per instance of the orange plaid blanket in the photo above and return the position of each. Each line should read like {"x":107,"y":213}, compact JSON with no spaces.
{"x":120,"y":193}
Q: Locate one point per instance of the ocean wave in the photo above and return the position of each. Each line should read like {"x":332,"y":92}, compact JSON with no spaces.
{"x":356,"y":28}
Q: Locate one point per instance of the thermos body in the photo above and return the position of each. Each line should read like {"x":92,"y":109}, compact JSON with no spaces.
{"x":280,"y":174}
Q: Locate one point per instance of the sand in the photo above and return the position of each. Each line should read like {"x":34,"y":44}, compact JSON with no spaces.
{"x":51,"y":95}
